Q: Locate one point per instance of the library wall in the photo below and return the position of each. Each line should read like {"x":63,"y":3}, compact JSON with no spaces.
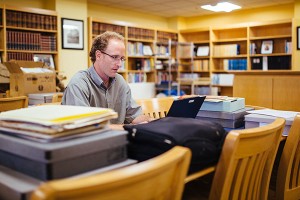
{"x":71,"y":61}
{"x":129,"y":18}
{"x":30,"y":3}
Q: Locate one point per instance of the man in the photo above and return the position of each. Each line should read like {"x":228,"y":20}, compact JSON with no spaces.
{"x":101,"y":85}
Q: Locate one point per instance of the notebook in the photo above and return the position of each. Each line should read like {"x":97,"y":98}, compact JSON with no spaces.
{"x":188,"y":107}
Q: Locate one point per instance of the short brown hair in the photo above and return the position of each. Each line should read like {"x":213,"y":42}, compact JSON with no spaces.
{"x":101,"y":42}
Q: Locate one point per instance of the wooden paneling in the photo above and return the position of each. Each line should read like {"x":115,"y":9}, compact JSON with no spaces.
{"x":281,"y":92}
{"x":257,"y":90}
{"x":286,"y":94}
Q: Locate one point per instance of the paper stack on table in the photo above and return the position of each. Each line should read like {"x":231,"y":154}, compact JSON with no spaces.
{"x":53,"y":121}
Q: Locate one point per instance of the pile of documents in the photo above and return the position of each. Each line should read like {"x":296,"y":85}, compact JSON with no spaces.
{"x":257,"y":118}
{"x":52,"y":122}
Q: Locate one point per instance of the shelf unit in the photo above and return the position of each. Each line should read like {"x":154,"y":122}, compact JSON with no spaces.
{"x":141,"y":44}
{"x":26,"y":32}
{"x":165,"y":61}
{"x":231,"y":48}
{"x":198,"y":72}
{"x":280,"y":34}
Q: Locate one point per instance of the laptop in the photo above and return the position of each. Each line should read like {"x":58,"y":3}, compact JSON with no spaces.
{"x":187,"y":107}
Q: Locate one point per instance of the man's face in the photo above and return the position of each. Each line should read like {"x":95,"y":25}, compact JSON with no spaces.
{"x":111,"y":58}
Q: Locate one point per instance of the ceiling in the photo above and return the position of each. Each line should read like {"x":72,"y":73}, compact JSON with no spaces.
{"x":181,"y":8}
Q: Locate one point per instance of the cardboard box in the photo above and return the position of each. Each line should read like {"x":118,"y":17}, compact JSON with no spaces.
{"x":47,"y":161}
{"x":4,"y":74}
{"x":257,"y":120}
{"x":23,"y":83}
{"x":39,"y":98}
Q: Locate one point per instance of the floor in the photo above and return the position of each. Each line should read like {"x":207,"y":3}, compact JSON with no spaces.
{"x":198,"y":189}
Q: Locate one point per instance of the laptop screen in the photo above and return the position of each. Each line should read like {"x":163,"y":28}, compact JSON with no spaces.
{"x":187,"y":107}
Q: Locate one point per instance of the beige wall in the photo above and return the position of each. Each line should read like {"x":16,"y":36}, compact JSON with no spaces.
{"x":22,"y":3}
{"x":71,"y":61}
{"x":129,"y":17}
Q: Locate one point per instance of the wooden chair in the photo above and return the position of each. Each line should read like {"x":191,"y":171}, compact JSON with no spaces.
{"x":245,"y":165}
{"x":156,"y":107}
{"x":57,"y":97}
{"x":159,"y":178}
{"x":13,"y":103}
{"x":288,"y":175}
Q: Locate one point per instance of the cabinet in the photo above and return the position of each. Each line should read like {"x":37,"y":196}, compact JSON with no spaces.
{"x":29,"y":34}
{"x":145,"y":48}
{"x":277,"y":90}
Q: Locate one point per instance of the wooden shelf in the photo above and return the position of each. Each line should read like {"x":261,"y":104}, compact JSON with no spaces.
{"x":29,"y":31}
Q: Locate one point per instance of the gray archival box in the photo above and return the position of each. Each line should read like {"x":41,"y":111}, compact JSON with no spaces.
{"x":46,"y":161}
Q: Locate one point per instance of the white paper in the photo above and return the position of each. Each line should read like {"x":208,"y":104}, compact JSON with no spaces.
{"x":36,"y":70}
{"x":275,"y":113}
{"x":55,"y":114}
{"x":203,"y":51}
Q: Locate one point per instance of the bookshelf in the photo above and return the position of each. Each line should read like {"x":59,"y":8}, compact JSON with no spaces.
{"x":26,"y":32}
{"x":165,"y":61}
{"x":144,"y":48}
{"x":140,"y":58}
{"x":2,"y":33}
{"x":194,"y":70}
{"x":237,"y":49}
{"x":280,"y":55}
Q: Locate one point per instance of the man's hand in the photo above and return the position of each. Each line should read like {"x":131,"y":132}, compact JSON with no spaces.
{"x":142,"y":119}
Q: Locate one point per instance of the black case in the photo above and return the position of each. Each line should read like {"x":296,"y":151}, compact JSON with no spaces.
{"x":204,"y":138}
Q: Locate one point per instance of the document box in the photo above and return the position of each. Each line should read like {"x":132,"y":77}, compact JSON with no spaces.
{"x":39,"y":98}
{"x":234,"y":119}
{"x":225,"y":105}
{"x":256,"y":120}
{"x":48,"y":161}
{"x":18,"y":186}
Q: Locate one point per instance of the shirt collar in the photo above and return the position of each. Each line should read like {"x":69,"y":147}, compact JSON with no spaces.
{"x":96,"y":78}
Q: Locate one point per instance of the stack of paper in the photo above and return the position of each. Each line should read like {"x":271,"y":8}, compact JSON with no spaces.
{"x":52,"y":121}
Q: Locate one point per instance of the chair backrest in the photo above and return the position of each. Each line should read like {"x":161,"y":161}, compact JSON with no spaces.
{"x":246,"y":162}
{"x":57,"y":97}
{"x":156,"y":107}
{"x":159,"y":178}
{"x":288,"y":175}
{"x":12,"y":103}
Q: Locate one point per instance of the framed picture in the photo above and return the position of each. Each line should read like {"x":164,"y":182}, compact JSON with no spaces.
{"x":267,"y":47}
{"x":72,"y":33}
{"x":46,"y":58}
{"x":298,"y":38}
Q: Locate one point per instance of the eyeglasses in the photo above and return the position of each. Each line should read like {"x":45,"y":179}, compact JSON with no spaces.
{"x":116,"y":58}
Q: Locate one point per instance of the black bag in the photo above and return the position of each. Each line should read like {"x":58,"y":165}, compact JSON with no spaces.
{"x":204,"y":138}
